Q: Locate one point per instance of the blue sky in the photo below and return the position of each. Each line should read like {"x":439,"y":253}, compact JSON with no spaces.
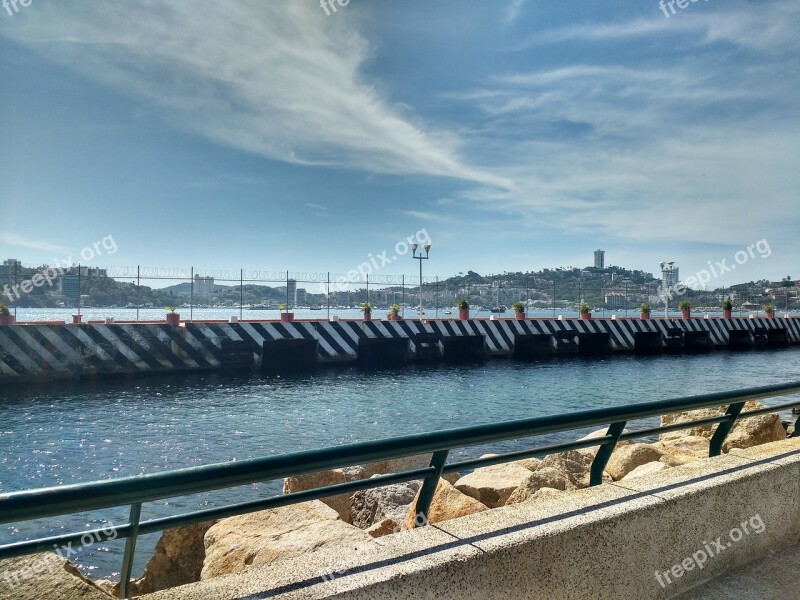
{"x":519,"y":134}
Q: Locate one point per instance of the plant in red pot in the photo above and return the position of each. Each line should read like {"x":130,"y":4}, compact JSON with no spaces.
{"x":394,"y":313}
{"x":6,"y":318}
{"x":586,"y":313}
{"x":463,"y":309}
{"x":727,"y":308}
{"x":644,"y":312}
{"x":686,"y":309}
{"x":173,"y":318}
{"x":286,"y":316}
{"x":769,"y":310}
{"x":366,"y":308}
{"x":519,"y":311}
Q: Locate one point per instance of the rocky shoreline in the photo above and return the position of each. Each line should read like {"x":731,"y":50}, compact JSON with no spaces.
{"x":348,"y":523}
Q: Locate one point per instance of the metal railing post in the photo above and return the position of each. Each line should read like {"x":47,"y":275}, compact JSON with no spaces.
{"x":604,"y":453}
{"x":724,"y":428}
{"x":429,"y":488}
{"x":191,"y":294}
{"x":130,"y":550}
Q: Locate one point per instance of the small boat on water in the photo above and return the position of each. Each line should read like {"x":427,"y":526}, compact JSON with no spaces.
{"x":499,"y":309}
{"x":448,"y":312}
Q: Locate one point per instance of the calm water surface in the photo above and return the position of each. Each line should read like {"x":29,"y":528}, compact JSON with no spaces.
{"x":101,"y":430}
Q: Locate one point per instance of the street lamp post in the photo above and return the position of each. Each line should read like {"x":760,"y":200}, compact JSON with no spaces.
{"x":420,"y":258}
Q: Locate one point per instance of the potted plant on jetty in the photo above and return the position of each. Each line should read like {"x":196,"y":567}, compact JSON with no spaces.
{"x":463,"y":309}
{"x":686,"y":309}
{"x":769,"y":310}
{"x":644,"y":312}
{"x":519,"y":311}
{"x":366,"y":308}
{"x":394,"y":312}
{"x":584,"y":311}
{"x":286,"y":316}
{"x":6,"y":318}
{"x":173,"y":318}
{"x":727,"y":308}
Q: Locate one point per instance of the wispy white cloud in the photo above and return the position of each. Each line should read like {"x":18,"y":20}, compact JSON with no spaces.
{"x":762,"y":25}
{"x":318,"y":209}
{"x":513,"y":10}
{"x":424,"y":216}
{"x":14,"y":239}
{"x":275,"y":78}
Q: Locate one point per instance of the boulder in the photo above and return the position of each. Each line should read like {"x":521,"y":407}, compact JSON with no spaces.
{"x":232,"y":545}
{"x":681,"y":449}
{"x":177,"y":560}
{"x":646,"y":469}
{"x":448,"y":503}
{"x":493,"y":485}
{"x":108,"y":586}
{"x":754,"y":431}
{"x":368,"y":507}
{"x":675,"y":457}
{"x":382,"y":528}
{"x":544,"y":478}
{"x":45,"y":575}
{"x":532,"y":464}
{"x":529,"y":463}
{"x":339,"y":503}
{"x":575,"y":464}
{"x":627,"y":458}
{"x":544,"y":495}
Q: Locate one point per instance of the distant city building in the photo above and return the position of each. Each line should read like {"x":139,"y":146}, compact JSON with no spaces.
{"x":203,"y":286}
{"x":291,"y":292}
{"x":669,"y":275}
{"x":70,"y":288}
{"x":599,"y":259}
{"x":615,"y":300}
{"x":300,"y":297}
{"x":9,"y":269}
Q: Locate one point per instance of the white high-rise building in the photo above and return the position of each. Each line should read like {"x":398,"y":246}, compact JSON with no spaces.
{"x":669,"y":275}
{"x":599,"y":259}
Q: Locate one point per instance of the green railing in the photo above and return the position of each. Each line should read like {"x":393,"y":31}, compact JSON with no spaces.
{"x":26,"y":505}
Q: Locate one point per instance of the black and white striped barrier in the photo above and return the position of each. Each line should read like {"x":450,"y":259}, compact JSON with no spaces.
{"x":36,"y":352}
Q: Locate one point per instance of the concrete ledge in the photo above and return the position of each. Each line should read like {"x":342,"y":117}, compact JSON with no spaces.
{"x":603,"y":542}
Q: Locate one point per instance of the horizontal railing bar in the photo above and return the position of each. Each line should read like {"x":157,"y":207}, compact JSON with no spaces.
{"x":211,"y":514}
{"x":708,"y":421}
{"x":39,"y":503}
{"x":674,"y":427}
{"x":767,"y":409}
{"x":56,"y":542}
{"x":522,"y":454}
